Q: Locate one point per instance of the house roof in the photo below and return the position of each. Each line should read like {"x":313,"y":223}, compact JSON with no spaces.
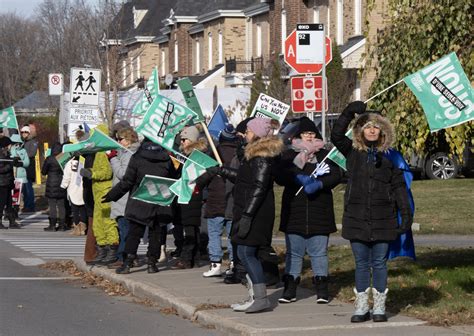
{"x":37,"y":102}
{"x":197,"y":8}
{"x":351,"y":43}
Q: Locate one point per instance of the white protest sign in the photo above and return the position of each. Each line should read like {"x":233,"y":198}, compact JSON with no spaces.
{"x":269,"y":107}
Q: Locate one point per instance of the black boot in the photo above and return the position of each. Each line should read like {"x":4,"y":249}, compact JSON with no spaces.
{"x":127,"y":264}
{"x":152,"y":268}
{"x":101,"y":254}
{"x":289,"y":293}
{"x":52,"y":225}
{"x":13,"y":223}
{"x":322,"y":290}
{"x":111,"y":255}
{"x":62,"y":225}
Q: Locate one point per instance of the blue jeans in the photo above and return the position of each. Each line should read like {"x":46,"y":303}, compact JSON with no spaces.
{"x":123,"y":227}
{"x":248,"y":257}
{"x":28,"y":195}
{"x":370,"y":257}
{"x":317,"y":248}
{"x":215,"y":227}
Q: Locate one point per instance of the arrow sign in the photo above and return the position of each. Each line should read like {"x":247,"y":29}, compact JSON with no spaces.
{"x":75,"y":99}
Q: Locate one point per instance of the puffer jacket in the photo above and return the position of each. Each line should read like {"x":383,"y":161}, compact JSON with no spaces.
{"x":150,"y":159}
{"x":20,"y":152}
{"x":53,"y":170}
{"x":376,"y":188}
{"x":6,"y":169}
{"x":304,"y":214}
{"x":253,"y":190}
{"x":119,"y":167}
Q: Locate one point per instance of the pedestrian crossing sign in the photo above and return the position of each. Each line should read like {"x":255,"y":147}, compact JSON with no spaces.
{"x":85,"y":86}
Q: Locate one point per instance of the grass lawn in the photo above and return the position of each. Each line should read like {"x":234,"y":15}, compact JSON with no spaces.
{"x":441,"y":206}
{"x":438,"y":287}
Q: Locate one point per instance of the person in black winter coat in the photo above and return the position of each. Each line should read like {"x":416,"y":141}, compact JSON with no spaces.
{"x":7,"y":183}
{"x":375,"y":191}
{"x":254,"y":206}
{"x":54,"y":193}
{"x":307,"y":219}
{"x":150,"y":159}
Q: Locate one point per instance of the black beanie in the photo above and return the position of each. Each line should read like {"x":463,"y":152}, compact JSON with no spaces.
{"x":242,"y":126}
{"x":306,"y":125}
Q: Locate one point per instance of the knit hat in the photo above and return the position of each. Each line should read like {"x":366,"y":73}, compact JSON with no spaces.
{"x":118,"y":126}
{"x":260,"y":126}
{"x":190,"y":132}
{"x":242,"y":126}
{"x":227,"y":134}
{"x":16,"y":138}
{"x":5,"y":142}
{"x":25,"y":129}
{"x":306,"y":125}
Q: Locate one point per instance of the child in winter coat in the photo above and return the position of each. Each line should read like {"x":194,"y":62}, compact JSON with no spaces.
{"x":72,"y":182}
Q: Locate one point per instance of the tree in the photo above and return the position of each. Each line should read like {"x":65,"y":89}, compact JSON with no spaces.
{"x":419,"y":34}
{"x":258,"y":86}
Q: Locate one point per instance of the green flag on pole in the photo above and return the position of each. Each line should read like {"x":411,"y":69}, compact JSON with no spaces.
{"x":164,"y":120}
{"x":192,"y":102}
{"x":152,"y":89}
{"x":64,"y":158}
{"x":444,"y":92}
{"x":194,"y":167}
{"x":97,"y":142}
{"x":8,"y":118}
{"x":155,"y":190}
{"x":336,"y":156}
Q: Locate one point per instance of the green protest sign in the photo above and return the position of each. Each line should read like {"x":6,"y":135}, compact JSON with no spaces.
{"x":336,"y":156}
{"x":155,"y":190}
{"x":97,"y":142}
{"x":192,"y":102}
{"x":8,"y":118}
{"x":152,"y":89}
{"x":444,"y":92}
{"x":164,"y":120}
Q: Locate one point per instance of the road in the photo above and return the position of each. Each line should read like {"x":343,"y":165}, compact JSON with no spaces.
{"x":35,"y":301}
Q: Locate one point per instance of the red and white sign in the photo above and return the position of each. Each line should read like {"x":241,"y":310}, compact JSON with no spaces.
{"x":307,"y":94}
{"x":291,"y":56}
{"x":55,"y":84}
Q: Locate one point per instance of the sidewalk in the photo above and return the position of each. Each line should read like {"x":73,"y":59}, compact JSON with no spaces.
{"x":202,"y":300}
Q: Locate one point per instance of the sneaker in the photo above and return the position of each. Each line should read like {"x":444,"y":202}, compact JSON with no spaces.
{"x":214,"y":270}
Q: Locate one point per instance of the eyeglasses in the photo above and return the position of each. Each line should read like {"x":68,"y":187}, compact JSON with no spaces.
{"x":120,"y":139}
{"x":25,"y":132}
{"x":183,"y":140}
{"x":308,"y":133}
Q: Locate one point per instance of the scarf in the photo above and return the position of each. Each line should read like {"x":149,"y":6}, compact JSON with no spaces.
{"x":306,"y":150}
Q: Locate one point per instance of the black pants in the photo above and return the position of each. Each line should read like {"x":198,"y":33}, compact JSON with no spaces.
{"x":57,"y":208}
{"x":178,"y":236}
{"x":135,"y":233}
{"x":79,"y":213}
{"x":191,"y":242}
{"x":6,"y":201}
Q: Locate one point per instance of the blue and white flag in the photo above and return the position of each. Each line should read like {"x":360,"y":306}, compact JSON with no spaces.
{"x":218,"y":122}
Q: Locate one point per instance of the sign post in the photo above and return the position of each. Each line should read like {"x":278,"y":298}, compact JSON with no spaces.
{"x":56,"y":88}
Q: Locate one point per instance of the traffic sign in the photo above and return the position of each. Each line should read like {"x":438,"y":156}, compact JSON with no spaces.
{"x":87,"y":114}
{"x":295,"y":61}
{"x":55,"y":84}
{"x":307,"y":94}
{"x":85,"y":86}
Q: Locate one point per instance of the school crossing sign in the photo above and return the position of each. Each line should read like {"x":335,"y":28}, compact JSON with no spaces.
{"x":85,"y":86}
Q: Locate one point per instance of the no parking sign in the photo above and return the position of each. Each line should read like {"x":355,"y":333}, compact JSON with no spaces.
{"x":307,"y":94}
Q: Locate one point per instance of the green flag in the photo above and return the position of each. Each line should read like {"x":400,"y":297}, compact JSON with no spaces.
{"x":155,"y":190}
{"x":444,"y":92}
{"x":152,"y":89}
{"x":64,"y":158}
{"x":336,"y":156}
{"x":164,"y":120}
{"x":192,"y":102}
{"x":194,"y":167}
{"x":8,"y":118}
{"x":97,"y":142}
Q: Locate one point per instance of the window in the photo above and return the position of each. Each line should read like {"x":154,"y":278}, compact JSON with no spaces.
{"x":259,"y":40}
{"x":138,"y":66}
{"x":283,"y":30}
{"x":316,"y":14}
{"x":176,"y":61}
{"x":209,"y":56}
{"x":163,"y":62}
{"x":124,"y":72}
{"x":132,"y":73}
{"x":198,"y":56}
{"x":357,"y":17}
{"x":340,"y":22}
{"x":221,"y":51}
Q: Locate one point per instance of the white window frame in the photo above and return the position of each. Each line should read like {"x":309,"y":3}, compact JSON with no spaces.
{"x":163,"y":62}
{"x":138,"y":66}
{"x":176,"y":61}
{"x":259,"y":40}
{"x":283,"y":29}
{"x":124,"y":73}
{"x":209,"y":51}
{"x":221,"y":48}
{"x":357,"y":17}
{"x":316,"y":14}
{"x":198,"y":56}
{"x":340,"y":22}
{"x":132,"y":73}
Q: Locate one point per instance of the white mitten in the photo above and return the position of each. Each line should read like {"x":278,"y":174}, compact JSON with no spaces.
{"x":321,"y":169}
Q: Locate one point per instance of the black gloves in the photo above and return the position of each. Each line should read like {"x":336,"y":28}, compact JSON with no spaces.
{"x":213,"y":171}
{"x":17,"y":162}
{"x":243,"y":226}
{"x":86,"y":173}
{"x":405,"y":225}
{"x":106,"y":199}
{"x":355,"y":107}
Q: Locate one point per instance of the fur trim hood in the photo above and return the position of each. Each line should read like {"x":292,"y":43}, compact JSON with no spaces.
{"x":270,"y":146}
{"x":200,"y":145}
{"x":386,"y":132}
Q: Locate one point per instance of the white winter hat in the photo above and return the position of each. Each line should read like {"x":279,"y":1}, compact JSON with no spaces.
{"x":25,"y":129}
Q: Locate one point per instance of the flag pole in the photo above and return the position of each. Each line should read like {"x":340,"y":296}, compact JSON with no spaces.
{"x":211,"y":143}
{"x":386,"y":89}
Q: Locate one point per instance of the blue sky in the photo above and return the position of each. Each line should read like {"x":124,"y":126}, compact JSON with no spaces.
{"x":23,"y":7}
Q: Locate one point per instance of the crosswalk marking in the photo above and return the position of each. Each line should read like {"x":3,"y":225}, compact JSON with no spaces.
{"x":48,"y":245}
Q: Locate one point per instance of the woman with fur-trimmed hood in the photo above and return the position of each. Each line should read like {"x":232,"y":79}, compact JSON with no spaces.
{"x":375,"y":191}
{"x":254,"y":206}
{"x":188,"y":216}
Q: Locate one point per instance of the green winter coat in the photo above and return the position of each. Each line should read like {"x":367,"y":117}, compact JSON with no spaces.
{"x":20,"y":152}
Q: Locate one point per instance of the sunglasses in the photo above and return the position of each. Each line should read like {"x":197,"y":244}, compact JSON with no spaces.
{"x":183,"y":140}
{"x":25,"y":132}
{"x":120,"y":139}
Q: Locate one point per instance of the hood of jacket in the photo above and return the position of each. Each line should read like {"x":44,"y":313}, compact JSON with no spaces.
{"x":200,"y":145}
{"x":56,"y":149}
{"x":386,"y":132}
{"x":265,"y":147}
{"x":152,"y":152}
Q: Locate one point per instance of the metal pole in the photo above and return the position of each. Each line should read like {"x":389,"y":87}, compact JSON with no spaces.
{"x":61,"y":118}
{"x":323,"y":99}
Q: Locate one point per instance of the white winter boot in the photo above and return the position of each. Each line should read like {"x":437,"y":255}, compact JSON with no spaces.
{"x":361,"y":304}
{"x":163,"y":258}
{"x":241,"y":307}
{"x":214,"y":270}
{"x":378,"y":313}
